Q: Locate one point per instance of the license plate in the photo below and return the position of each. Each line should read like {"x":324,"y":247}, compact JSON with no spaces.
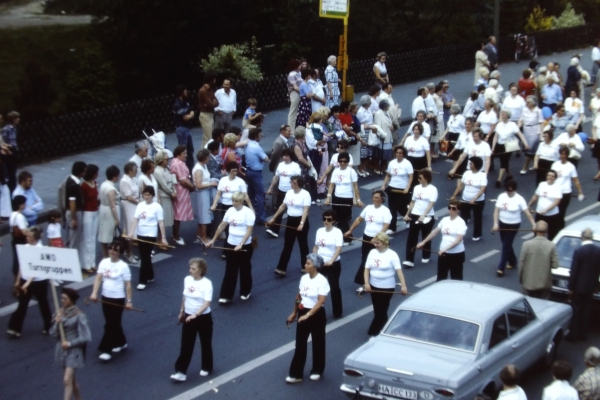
{"x":397,"y":392}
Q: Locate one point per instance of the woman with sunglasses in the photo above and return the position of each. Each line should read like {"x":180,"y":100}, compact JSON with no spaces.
{"x":548,"y":195}
{"x":418,"y":152}
{"x":451,"y":255}
{"x":473,"y":185}
{"x":115,"y":277}
{"x":328,"y":244}
{"x":240,"y":220}
{"x":507,"y":220}
{"x":343,"y":180}
{"x":380,"y":269}
{"x":297,"y":204}
{"x":420,"y":214}
{"x":377,"y":217}
{"x":399,"y":176}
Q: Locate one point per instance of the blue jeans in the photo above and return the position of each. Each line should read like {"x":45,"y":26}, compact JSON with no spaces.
{"x":256,"y":192}
{"x":507,"y":238}
{"x":185,"y":138}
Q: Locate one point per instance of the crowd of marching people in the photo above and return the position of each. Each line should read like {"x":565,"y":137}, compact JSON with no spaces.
{"x":317,"y":158}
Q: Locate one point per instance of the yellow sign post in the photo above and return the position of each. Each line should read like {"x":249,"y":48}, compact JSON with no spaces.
{"x":339,"y":9}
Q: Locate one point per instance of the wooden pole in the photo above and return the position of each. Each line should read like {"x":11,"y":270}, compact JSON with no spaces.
{"x":61,"y":329}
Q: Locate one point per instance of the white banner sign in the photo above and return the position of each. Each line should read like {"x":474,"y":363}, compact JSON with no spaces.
{"x":49,"y":263}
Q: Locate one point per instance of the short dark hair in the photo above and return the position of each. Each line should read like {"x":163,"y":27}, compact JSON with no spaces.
{"x":179,"y":90}
{"x":343,"y":156}
{"x":212,"y":146}
{"x":71,"y":294}
{"x":419,"y":126}
{"x":526,"y":73}
{"x":283,"y":127}
{"x":18,"y":201}
{"x":179,"y":150}
{"x":235,"y":130}
{"x":385,"y":85}
{"x":305,"y":73}
{"x":345,"y":105}
{"x":380,"y":193}
{"x":202,"y":155}
{"x":562,"y":370}
{"x":477,"y":162}
{"x":553,"y":171}
{"x":112,"y":172}
{"x":91,"y":171}
{"x":24,"y":175}
{"x":336,"y":109}
{"x":564,"y":150}
{"x":217,"y":132}
{"x":374,"y":89}
{"x":147,"y":165}
{"x":12,"y":117}
{"x":231,"y":165}
{"x":510,"y":375}
{"x":150,"y":190}
{"x":510,"y":185}
{"x":78,"y":167}
{"x":330,"y":213}
{"x":287,"y":152}
{"x":299,"y":180}
{"x":254,"y":133}
{"x":425,"y":173}
{"x":438,"y":87}
{"x":54,"y":214}
{"x":420,"y":91}
{"x":252,"y":101}
{"x":399,"y":147}
{"x":343,"y":143}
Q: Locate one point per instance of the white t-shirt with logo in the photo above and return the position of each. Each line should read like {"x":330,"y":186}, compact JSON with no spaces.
{"x":450,"y":230}
{"x":510,"y":208}
{"x":375,"y":218}
{"x":285,"y":172}
{"x":238,"y":221}
{"x":547,"y":194}
{"x":328,"y":242}
{"x":344,"y":180}
{"x":565,"y":173}
{"x":399,"y":172}
{"x":312,"y":288}
{"x":506,"y":131}
{"x":465,"y":139}
{"x":296,"y":202}
{"x":416,"y":148}
{"x":481,"y":150}
{"x":473,"y":183}
{"x":382,"y":268}
{"x":422,"y":196}
{"x":196,"y":293}
{"x":228,"y":187}
{"x":334,"y":160}
{"x":148,"y":216}
{"x":114,"y":275}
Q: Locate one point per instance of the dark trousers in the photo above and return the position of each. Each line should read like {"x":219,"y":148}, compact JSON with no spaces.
{"x":278,"y":202}
{"x":39,"y":290}
{"x":453,"y":263}
{"x":418,"y":164}
{"x":113,"y":330}
{"x":344,"y":213}
{"x":237,"y":262}
{"x":477,"y":208}
{"x":398,"y":203}
{"x":507,"y":238}
{"x":365,"y":250}
{"x":543,"y":168}
{"x":314,"y":326}
{"x":291,"y":234}
{"x":256,"y":192}
{"x":562,"y":209}
{"x":184,"y":137}
{"x":553,"y":221}
{"x":413,"y":237}
{"x":13,"y":245}
{"x":146,"y":269}
{"x":202,"y":326}
{"x":11,"y":162}
{"x":550,"y":106}
{"x":538,"y":294}
{"x":381,"y":304}
{"x":582,"y":306}
{"x":332,"y":273}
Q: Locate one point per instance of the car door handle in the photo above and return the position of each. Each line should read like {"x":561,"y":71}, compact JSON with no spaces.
{"x":515,"y":345}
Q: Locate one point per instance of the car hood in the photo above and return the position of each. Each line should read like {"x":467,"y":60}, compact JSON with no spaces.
{"x":427,"y":363}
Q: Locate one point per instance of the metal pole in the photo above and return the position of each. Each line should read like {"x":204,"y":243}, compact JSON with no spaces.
{"x":345,"y":53}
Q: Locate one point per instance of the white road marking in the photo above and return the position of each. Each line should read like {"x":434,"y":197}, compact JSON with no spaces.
{"x":373,"y":185}
{"x":426,"y":281}
{"x":260,"y":361}
{"x":484,"y":256}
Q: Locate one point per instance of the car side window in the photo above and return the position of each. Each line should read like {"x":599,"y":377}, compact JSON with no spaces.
{"x":499,"y":331}
{"x":519,"y":316}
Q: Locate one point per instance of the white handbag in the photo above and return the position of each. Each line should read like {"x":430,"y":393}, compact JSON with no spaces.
{"x":511,"y":145}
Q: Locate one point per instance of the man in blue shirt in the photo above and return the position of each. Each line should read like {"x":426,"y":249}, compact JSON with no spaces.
{"x":34,"y":203}
{"x":255,"y":157}
{"x":551,"y":94}
{"x":183,"y":115}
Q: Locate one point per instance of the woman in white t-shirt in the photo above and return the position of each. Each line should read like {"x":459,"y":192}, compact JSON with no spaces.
{"x":297,"y":204}
{"x":228,"y":185}
{"x":548,"y":195}
{"x":18,"y":223}
{"x":195,"y":315}
{"x":472,"y":185}
{"x":545,"y":155}
{"x":425,"y":132}
{"x":507,"y":220}
{"x":420,"y":213}
{"x":344,"y":180}
{"x":377,"y":218}
{"x":566,"y":178}
{"x":115,"y":277}
{"x":399,"y":176}
{"x":506,"y":130}
{"x":380,"y":269}
{"x":283,"y":178}
{"x":328,"y":244}
{"x":417,"y":150}
{"x":147,"y":221}
{"x":487,"y":119}
{"x":240,"y":220}
{"x":309,"y":312}
{"x":451,"y":255}
{"x":454,"y":126}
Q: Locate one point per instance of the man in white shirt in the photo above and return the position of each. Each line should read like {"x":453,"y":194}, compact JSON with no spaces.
{"x":419,"y":103}
{"x":227,"y":106}
{"x":560,"y":389}
{"x":141,"y":152}
{"x":394,"y":111}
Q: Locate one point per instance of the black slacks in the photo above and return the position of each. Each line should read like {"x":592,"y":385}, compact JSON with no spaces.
{"x":291,"y":234}
{"x":39,"y":290}
{"x":332,"y":274}
{"x":365,"y":250}
{"x":580,"y":323}
{"x":314,"y":326}
{"x":146,"y":269}
{"x":202,"y":326}
{"x":413,"y":237}
{"x":381,"y":304}
{"x":237,"y":262}
{"x":398,"y":203}
{"x":453,"y":263}
{"x":113,"y":330}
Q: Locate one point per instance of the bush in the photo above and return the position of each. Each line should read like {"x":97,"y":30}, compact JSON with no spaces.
{"x":538,"y":21}
{"x":568,"y":19}
{"x":237,"y":61}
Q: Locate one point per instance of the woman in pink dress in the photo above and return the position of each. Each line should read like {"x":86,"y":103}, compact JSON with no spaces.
{"x":182,"y":204}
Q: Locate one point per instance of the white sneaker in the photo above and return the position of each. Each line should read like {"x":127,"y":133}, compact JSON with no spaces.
{"x":425,"y":260}
{"x":224,"y":301}
{"x":315,"y":377}
{"x":105,"y":356}
{"x":179,"y":241}
{"x":408,"y":264}
{"x":141,"y":286}
{"x":270,"y":232}
{"x":203,"y":373}
{"x":179,"y":377}
{"x":289,"y":379}
{"x":118,"y":349}
{"x":523,"y":172}
{"x":245,"y":297}
{"x":477,"y":239}
{"x":345,"y":244}
{"x":390,"y":232}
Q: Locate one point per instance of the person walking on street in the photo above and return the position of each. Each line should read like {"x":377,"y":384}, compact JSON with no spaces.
{"x":255,"y":159}
{"x":206,"y":106}
{"x":184,"y":115}
{"x":588,"y":383}
{"x":226,"y":97}
{"x":537,"y":260}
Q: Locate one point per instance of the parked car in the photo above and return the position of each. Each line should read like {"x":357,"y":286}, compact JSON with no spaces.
{"x":451,"y":339}
{"x":567,"y":240}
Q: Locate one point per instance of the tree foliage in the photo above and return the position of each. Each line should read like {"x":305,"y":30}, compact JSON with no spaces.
{"x":237,"y":62}
{"x":568,"y":18}
{"x":538,"y":21}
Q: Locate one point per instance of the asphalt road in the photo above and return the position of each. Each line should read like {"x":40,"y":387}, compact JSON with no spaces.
{"x":252,"y":346}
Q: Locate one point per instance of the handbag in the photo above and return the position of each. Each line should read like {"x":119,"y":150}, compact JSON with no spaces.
{"x":511,"y":145}
{"x":373,"y":139}
{"x":443,"y":146}
{"x":574,"y":154}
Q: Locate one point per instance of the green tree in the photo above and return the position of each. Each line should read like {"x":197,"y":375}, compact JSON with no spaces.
{"x":538,"y":21}
{"x":568,"y":19}
{"x":37,"y":93}
{"x":236,"y":61}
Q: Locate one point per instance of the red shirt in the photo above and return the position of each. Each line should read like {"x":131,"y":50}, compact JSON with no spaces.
{"x":346,"y":119}
{"x":90,"y":197}
{"x":526,"y":87}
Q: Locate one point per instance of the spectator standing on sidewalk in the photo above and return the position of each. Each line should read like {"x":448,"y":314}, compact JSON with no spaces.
{"x":294,"y":79}
{"x":74,"y":208}
{"x":226,"y":97}
{"x":183,"y":113}
{"x":34,"y":203}
{"x":141,"y":153}
{"x":560,"y":389}
{"x":332,"y":88}
{"x":492,"y":53}
{"x":537,"y":260}
{"x":481,"y":60}
{"x":588,"y":383}
{"x":11,"y":158}
{"x":206,"y":106}
{"x":595,"y":62}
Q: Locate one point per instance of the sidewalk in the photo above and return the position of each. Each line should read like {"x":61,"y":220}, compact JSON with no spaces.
{"x":47,"y":176}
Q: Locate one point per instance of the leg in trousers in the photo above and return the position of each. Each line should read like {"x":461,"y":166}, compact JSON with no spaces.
{"x":413,"y":238}
{"x":113,"y":331}
{"x":288,"y":246}
{"x":332,"y":273}
{"x":146,"y":269}
{"x":206,"y":331}
{"x":188,"y":340}
{"x":278,"y":202}
{"x":317,"y":333}
{"x":359,"y":278}
{"x":246,"y":270}
{"x":206,"y":122}
{"x":381,"y":304}
{"x":302,"y":237}
{"x":40,"y":292}
{"x":303,"y":331}
{"x":232,"y":266}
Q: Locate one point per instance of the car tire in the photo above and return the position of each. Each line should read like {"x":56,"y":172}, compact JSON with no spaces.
{"x":491,"y":391}
{"x":551,"y":352}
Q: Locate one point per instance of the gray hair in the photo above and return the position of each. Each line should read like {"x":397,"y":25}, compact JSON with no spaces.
{"x":365,"y":100}
{"x":570,"y":127}
{"x":330,"y":59}
{"x":455,"y":109}
{"x":592,"y":356}
{"x":587,"y":234}
{"x":506,"y":111}
{"x":574,"y":61}
{"x":484,"y":71}
{"x":543,"y":70}
{"x":354,"y":104}
{"x":316,"y":259}
{"x":130,"y":166}
{"x":140,"y":145}
{"x":384,"y":104}
{"x":430,"y":85}
{"x":495,"y":74}
{"x":532,"y":99}
{"x":300,"y":132}
{"x":493,"y":83}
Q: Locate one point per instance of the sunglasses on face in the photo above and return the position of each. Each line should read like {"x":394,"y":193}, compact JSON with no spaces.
{"x":327,"y":219}
{"x":452,"y":208}
{"x":116,"y":248}
{"x":342,"y":161}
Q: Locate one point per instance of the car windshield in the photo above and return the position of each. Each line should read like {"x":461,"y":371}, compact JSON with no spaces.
{"x":435,"y":329}
{"x":566,"y":247}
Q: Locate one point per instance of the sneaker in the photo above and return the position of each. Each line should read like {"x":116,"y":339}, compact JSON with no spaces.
{"x":509,"y":267}
{"x":179,"y":377}
{"x":179,"y":241}
{"x":279,"y":272}
{"x":105,"y":356}
{"x":408,"y":264}
{"x":14,"y":333}
{"x":131,"y":260}
{"x":313,"y":203}
{"x":425,"y":260}
{"x":499,"y":273}
{"x":318,"y":201}
{"x":523,"y":172}
{"x":270,"y":232}
{"x":203,"y":373}
{"x":477,"y":239}
{"x":289,"y":379}
{"x":141,"y":286}
{"x":315,"y":377}
{"x":118,"y":349}
{"x":246,"y":297}
{"x":360,"y":289}
{"x":224,"y":301}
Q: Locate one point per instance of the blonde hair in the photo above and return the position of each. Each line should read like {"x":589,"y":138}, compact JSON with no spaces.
{"x":315,"y":117}
{"x":238,"y":196}
{"x":230,"y":140}
{"x":300,"y":132}
{"x":383,"y":238}
{"x":325,"y":111}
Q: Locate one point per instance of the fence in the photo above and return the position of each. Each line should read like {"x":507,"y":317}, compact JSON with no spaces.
{"x":82,"y":131}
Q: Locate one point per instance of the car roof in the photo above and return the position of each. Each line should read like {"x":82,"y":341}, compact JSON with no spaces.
{"x":575,"y":228}
{"x":470,"y":301}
